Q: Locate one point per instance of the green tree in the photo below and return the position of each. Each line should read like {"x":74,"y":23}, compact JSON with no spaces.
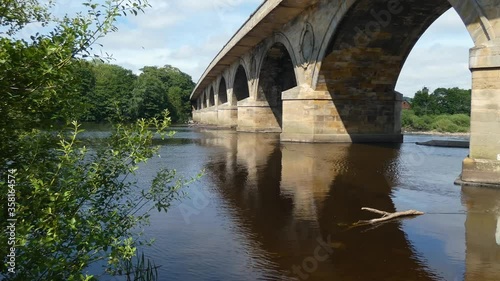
{"x":178,"y":103}
{"x":180,"y":87}
{"x":149,"y":93}
{"x":442,"y":101}
{"x":452,"y":100}
{"x":86,"y":87}
{"x":74,"y":205}
{"x":423,"y":102}
{"x":111,"y":94}
{"x":160,"y":88}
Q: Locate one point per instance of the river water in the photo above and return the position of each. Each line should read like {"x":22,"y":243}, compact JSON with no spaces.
{"x":266,"y":210}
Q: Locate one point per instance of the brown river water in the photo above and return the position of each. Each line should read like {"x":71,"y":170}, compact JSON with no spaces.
{"x":266,"y":210}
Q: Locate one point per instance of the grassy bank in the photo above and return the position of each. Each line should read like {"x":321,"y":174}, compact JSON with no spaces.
{"x":445,"y":123}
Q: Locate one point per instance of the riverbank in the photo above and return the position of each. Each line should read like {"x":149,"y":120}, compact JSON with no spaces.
{"x":456,"y":123}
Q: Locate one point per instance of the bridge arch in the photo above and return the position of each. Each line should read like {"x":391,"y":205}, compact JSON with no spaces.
{"x":279,"y":39}
{"x":378,"y":23}
{"x":222,"y":91}
{"x":368,"y":42}
{"x":477,"y":18}
{"x":241,"y":89}
{"x":276,"y":74}
{"x":211,"y":97}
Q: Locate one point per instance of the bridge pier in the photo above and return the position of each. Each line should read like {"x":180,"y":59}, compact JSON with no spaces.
{"x":318,"y":116}
{"x":257,"y":116}
{"x":196,"y":116}
{"x":227,"y":116}
{"x":206,"y":116}
{"x":483,"y":163}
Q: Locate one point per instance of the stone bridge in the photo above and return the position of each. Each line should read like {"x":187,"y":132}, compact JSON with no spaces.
{"x":326,"y":70}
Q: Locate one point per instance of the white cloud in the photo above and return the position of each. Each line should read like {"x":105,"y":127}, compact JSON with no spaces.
{"x":189,"y":33}
{"x":440,"y":65}
{"x":161,"y":15}
{"x":186,"y":34}
{"x":440,"y":58}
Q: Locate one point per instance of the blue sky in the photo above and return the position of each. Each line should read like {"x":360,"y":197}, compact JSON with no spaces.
{"x":189,"y":33}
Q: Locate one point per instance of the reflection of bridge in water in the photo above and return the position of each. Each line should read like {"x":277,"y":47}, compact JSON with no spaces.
{"x":482,"y":233}
{"x":288,"y":197}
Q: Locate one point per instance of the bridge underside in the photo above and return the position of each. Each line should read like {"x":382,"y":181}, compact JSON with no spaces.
{"x":325,"y":71}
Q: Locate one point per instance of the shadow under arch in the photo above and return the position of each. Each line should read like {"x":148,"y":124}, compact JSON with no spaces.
{"x":222,"y":93}
{"x":240,"y":87}
{"x":277,"y":74}
{"x":211,"y":97}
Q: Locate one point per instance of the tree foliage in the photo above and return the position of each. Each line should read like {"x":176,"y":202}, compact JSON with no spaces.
{"x":160,"y":88}
{"x":444,"y":123}
{"x":109,"y":98}
{"x":444,"y":110}
{"x":111,"y":92}
{"x":442,"y":101}
{"x":75,"y":205}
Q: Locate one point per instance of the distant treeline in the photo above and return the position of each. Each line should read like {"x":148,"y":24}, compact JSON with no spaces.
{"x":110,"y":92}
{"x":444,"y":110}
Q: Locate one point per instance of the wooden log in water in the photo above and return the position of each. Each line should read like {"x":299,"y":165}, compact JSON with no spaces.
{"x":387,"y":216}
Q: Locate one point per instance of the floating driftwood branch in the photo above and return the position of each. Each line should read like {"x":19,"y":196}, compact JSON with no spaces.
{"x":387,"y":216}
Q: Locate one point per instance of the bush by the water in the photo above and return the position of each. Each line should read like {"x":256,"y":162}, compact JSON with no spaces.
{"x":445,"y":123}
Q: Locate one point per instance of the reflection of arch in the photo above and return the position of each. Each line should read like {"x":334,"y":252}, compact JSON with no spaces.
{"x":497,"y":232}
{"x":211,"y":97}
{"x":276,"y":75}
{"x":240,"y":88}
{"x":264,"y":206}
{"x":482,"y":258}
{"x":222,"y":93}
